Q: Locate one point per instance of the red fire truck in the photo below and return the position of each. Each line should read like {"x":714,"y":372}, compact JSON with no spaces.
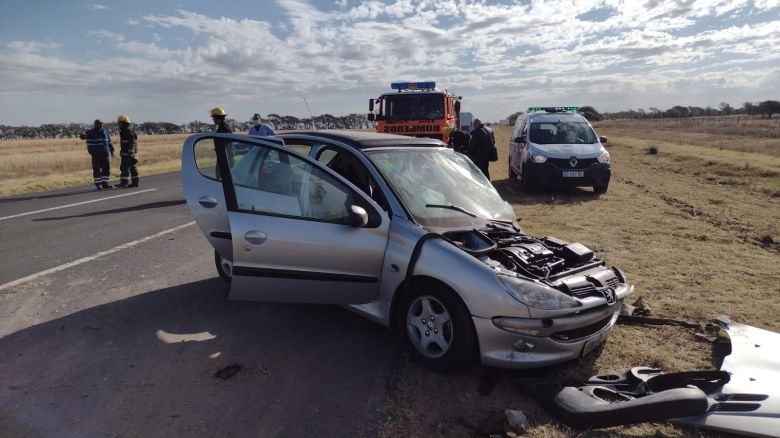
{"x":417,"y":109}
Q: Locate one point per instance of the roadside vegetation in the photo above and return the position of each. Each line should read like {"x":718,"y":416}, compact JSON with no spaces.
{"x":696,"y":230}
{"x":39,"y":165}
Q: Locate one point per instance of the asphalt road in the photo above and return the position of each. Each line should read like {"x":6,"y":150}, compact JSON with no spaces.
{"x":120,"y":326}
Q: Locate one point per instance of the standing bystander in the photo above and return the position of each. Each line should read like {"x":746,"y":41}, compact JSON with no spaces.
{"x":99,"y":147}
{"x":259,"y":128}
{"x":128,"y":153}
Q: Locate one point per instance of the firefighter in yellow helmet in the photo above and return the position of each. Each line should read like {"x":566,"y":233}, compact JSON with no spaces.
{"x":128,"y":153}
{"x":218,"y":116}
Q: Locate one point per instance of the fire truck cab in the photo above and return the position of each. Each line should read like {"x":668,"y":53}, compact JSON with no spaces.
{"x":416,"y":109}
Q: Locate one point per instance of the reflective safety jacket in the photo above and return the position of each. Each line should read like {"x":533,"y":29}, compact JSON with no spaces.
{"x":99,"y":142}
{"x":128,"y":146}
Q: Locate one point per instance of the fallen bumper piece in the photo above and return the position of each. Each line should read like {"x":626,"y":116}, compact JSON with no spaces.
{"x":749,"y":404}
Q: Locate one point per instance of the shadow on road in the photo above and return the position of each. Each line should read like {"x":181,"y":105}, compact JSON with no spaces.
{"x":147,"y":365}
{"x":511,"y":192}
{"x":43,"y":196}
{"x":147,"y":206}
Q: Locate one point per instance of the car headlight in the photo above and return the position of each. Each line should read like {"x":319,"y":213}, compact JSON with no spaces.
{"x":604,"y":158}
{"x":536,"y":295}
{"x":537,"y":158}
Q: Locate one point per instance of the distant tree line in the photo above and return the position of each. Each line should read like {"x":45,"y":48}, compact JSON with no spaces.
{"x":281,"y":123}
{"x":766,"y":108}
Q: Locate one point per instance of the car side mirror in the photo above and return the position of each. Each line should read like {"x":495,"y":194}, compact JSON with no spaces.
{"x":371,"y":105}
{"x":371,"y":117}
{"x":457,"y":106}
{"x":603,"y":139}
{"x":520,"y":139}
{"x":358,"y":217}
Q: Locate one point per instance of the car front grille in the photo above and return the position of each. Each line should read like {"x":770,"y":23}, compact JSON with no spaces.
{"x":613,"y":282}
{"x":582,"y":332}
{"x":563,"y":163}
{"x":582,"y":291}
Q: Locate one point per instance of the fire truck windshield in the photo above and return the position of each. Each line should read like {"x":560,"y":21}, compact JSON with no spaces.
{"x":413,"y":106}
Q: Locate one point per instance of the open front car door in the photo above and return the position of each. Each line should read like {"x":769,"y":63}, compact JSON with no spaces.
{"x":299,"y":231}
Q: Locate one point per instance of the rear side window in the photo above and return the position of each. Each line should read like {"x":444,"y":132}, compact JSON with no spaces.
{"x":206,"y":158}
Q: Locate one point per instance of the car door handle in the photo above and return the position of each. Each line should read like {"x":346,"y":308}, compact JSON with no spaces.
{"x":207,"y":201}
{"x":255,"y":237}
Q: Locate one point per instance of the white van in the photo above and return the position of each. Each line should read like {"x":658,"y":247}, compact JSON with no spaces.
{"x":558,"y":146}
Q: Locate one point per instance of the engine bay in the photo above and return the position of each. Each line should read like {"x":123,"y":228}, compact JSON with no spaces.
{"x":569,"y":267}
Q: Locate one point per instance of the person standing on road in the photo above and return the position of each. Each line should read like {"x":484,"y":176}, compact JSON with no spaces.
{"x":128,"y":153}
{"x":99,"y":147}
{"x":218,"y":116}
{"x":259,"y":128}
{"x":480,"y":147}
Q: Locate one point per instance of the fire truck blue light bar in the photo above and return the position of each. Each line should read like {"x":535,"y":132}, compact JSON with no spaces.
{"x":413,"y":85}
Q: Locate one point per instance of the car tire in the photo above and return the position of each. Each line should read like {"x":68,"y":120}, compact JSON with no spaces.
{"x":512,"y":174}
{"x":601,"y":189}
{"x":451,"y":341}
{"x":224,"y":268}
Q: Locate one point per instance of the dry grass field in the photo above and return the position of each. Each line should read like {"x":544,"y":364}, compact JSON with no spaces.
{"x":695,"y":229}
{"x":37,"y":165}
{"x":738,"y":133}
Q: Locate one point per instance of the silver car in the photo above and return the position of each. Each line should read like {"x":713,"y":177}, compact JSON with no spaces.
{"x":403,"y":231}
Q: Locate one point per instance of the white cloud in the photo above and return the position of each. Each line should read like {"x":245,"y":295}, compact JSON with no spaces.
{"x":99,"y":7}
{"x":31,"y":46}
{"x":513,"y":53}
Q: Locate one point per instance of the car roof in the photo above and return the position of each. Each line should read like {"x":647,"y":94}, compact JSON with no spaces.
{"x":555,"y":117}
{"x":370,"y":139}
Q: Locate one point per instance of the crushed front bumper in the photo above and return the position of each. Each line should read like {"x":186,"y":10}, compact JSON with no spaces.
{"x":509,"y":342}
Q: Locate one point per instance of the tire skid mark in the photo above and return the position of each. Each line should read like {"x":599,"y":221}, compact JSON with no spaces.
{"x":741,"y":231}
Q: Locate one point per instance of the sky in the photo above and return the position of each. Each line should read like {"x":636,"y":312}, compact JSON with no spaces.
{"x":158,"y":60}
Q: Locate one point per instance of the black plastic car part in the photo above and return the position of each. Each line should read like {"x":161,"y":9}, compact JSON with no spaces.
{"x":598,"y":406}
{"x":636,"y":396}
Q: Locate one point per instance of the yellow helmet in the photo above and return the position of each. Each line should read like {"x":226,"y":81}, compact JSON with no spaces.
{"x":217,"y":111}
{"x":123,"y":118}
{"x":448,"y":130}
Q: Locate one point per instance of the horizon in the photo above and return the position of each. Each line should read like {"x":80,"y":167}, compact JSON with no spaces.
{"x":172,"y":63}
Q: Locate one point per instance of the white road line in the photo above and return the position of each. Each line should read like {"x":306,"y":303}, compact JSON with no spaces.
{"x":92,"y":257}
{"x":77,"y":203}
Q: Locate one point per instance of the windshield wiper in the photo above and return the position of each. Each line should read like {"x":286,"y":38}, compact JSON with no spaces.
{"x":464,"y":211}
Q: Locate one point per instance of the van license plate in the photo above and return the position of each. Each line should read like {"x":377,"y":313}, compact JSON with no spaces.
{"x":573,"y":173}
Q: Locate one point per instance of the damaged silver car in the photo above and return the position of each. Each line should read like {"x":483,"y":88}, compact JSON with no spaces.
{"x":403,"y":231}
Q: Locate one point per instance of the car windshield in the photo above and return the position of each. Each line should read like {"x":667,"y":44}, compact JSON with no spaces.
{"x":428,"y":176}
{"x":405,"y":106}
{"x":561,"y":132}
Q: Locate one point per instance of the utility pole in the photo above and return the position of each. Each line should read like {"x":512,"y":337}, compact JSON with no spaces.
{"x":307,"y":107}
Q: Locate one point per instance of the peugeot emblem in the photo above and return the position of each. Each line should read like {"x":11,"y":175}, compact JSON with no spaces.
{"x":573,"y":161}
{"x":609,"y":294}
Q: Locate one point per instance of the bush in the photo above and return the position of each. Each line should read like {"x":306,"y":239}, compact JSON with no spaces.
{"x":652,"y":150}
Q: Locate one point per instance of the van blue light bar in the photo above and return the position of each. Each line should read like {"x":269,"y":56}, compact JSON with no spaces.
{"x":553,"y":109}
{"x":413,"y":85}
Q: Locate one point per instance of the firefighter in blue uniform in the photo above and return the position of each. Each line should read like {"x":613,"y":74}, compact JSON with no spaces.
{"x":99,"y":147}
{"x":128,"y":153}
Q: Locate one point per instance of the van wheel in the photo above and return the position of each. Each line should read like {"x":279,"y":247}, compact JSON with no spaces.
{"x":512,"y":174}
{"x":224,"y":268}
{"x":601,"y":189}
{"x":437,"y":330}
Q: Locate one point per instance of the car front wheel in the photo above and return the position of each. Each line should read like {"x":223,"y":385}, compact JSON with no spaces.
{"x":438,"y":331}
{"x":600,"y":190}
{"x":224,"y":267}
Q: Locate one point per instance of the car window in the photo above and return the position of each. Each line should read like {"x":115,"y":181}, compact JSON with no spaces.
{"x":301,"y":148}
{"x":562,"y":132}
{"x":350,"y":167}
{"x":271,"y":181}
{"x":206,"y":158}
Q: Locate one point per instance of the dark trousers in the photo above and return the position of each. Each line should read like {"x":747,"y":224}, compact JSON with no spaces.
{"x":101,"y":169}
{"x":484,"y":167}
{"x":128,"y":167}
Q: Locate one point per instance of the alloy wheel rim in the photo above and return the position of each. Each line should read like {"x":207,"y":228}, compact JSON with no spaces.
{"x":429,"y":326}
